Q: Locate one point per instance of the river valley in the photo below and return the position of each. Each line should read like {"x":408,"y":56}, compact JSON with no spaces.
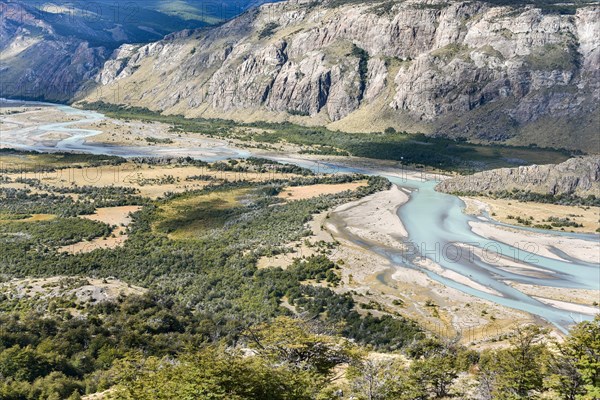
{"x":439,"y":240}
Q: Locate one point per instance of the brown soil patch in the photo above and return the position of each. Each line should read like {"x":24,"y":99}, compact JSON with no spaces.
{"x":151,"y":180}
{"x":113,"y":215}
{"x":116,"y":216}
{"x":501,"y":209}
{"x":308,"y":192}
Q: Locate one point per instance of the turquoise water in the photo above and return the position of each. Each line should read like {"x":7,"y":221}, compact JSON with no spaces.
{"x":435,"y":223}
{"x":76,"y":139}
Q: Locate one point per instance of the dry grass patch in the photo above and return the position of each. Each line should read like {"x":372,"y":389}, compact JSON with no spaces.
{"x":152,"y":181}
{"x":502,"y":209}
{"x":114,"y":216}
{"x":28,"y":218}
{"x":308,"y":192}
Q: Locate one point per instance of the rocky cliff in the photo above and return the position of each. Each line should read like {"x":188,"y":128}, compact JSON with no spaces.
{"x":577,"y":176}
{"x":37,"y":62}
{"x":51,"y":50}
{"x":516,"y":75}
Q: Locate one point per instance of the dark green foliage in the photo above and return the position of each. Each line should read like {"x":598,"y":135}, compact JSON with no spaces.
{"x":416,"y":149}
{"x":278,"y":167}
{"x":154,"y":140}
{"x":363,"y":68}
{"x":527,"y":195}
{"x":206,"y":178}
{"x":318,"y":268}
{"x":55,"y":346}
{"x":15,"y":201}
{"x":268,"y":30}
{"x":23,"y":364}
{"x":298,"y":113}
{"x":563,"y":222}
{"x":17,"y":235}
{"x":257,"y":164}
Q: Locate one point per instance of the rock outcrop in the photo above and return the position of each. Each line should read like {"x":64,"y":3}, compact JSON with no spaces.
{"x":461,"y":69}
{"x":577,"y":176}
{"x":52,"y":50}
{"x":39,"y":63}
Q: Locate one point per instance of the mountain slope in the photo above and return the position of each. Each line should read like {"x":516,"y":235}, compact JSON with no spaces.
{"x":470,"y":69}
{"x":51,"y":50}
{"x":36,"y":61}
{"x":577,"y":176}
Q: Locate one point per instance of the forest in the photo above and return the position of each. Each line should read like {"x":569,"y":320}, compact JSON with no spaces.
{"x":208,"y":323}
{"x":151,"y":347}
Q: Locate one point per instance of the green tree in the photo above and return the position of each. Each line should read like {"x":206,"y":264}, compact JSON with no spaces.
{"x":576,"y":365}
{"x":377,"y":378}
{"x":56,"y":386}
{"x":295,"y":343}
{"x":518,"y":371}
{"x":435,"y":373}
{"x":211,"y":374}
{"x":22,"y":364}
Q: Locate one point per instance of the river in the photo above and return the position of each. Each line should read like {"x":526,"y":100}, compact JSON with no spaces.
{"x":437,"y":227}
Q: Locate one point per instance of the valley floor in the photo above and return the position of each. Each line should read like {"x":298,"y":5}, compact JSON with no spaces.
{"x":372,"y":221}
{"x":113,"y":268}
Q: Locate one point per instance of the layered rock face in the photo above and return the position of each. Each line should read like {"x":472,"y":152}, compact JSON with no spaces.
{"x":577,"y":176}
{"x":469,"y":69}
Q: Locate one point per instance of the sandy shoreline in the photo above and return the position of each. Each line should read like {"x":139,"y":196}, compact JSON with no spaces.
{"x":541,"y":244}
{"x":374,"y":217}
{"x":443,"y":309}
{"x":578,"y":308}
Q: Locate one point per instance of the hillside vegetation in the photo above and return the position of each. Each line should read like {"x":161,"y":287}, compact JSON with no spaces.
{"x":191,"y":315}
